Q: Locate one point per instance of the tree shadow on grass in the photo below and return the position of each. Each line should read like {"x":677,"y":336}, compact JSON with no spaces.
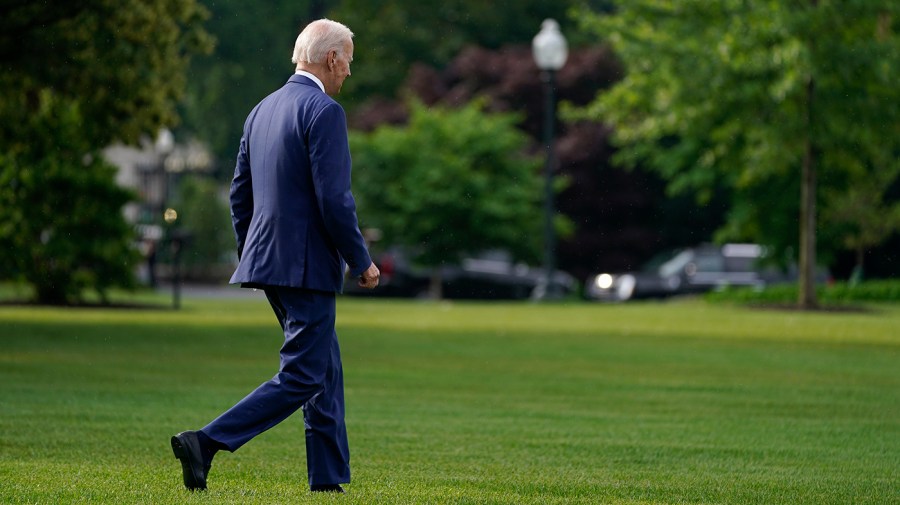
{"x":821,"y":308}
{"x":88,"y":305}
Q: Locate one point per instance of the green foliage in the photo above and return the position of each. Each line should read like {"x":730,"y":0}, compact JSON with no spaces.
{"x":252,"y":58}
{"x":860,"y":213}
{"x":255,"y":40}
{"x":834,"y":294}
{"x":77,"y":76}
{"x":731,"y":93}
{"x":124,"y":61}
{"x":766,"y":214}
{"x":452,"y":181}
{"x":391,"y":35}
{"x":60,"y":209}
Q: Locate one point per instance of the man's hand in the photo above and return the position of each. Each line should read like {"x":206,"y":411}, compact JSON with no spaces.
{"x":369,"y":278}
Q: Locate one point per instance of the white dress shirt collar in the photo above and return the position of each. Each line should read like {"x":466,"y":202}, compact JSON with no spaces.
{"x":315,"y":79}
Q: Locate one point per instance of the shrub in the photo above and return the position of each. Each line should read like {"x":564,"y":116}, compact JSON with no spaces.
{"x":887,"y":290}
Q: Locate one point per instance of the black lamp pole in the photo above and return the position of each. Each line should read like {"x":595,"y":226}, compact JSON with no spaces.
{"x":549,"y":79}
{"x":550,"y":51}
{"x":176,"y":245}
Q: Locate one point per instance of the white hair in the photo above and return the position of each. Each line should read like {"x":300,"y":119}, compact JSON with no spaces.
{"x":318,"y":39}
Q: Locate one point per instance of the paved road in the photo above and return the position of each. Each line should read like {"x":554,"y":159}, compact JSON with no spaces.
{"x":213,"y":291}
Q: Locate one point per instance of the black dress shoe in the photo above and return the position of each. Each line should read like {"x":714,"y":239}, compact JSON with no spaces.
{"x":186,"y":447}
{"x":327,"y":488}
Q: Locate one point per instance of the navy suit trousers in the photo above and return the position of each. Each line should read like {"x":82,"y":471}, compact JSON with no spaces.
{"x":310,"y":377}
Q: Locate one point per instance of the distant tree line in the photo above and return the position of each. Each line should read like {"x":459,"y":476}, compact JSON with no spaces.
{"x":683,"y":121}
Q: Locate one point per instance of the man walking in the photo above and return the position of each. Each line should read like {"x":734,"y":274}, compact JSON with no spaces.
{"x":296,"y":226}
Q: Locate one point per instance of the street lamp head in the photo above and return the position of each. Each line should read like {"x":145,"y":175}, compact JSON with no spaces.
{"x":165,"y":142}
{"x":549,"y":47}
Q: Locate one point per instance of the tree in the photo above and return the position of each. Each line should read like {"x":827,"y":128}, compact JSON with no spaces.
{"x":751,"y":93}
{"x":60,"y":220}
{"x":862,"y":215}
{"x":252,"y":58}
{"x":451,"y":182}
{"x":123,"y":61}
{"x":93,"y":72}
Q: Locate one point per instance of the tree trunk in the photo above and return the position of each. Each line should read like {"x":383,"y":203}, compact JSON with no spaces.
{"x":436,"y":285}
{"x":860,"y":258}
{"x":807,"y":296}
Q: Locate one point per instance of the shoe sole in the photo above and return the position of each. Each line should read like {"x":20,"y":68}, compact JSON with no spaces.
{"x":181,"y":453}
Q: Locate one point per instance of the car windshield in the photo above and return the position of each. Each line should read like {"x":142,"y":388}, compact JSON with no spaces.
{"x":676,"y":264}
{"x":652,"y":265}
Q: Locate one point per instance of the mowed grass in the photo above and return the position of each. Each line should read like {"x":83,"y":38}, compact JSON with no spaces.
{"x":653,"y":403}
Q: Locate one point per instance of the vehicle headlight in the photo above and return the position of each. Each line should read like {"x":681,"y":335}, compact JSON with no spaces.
{"x":603,"y":281}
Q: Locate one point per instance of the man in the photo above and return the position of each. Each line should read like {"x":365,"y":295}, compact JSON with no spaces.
{"x":295,"y":221}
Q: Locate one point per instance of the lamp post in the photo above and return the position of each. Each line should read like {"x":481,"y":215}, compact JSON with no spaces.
{"x":176,"y":242}
{"x":550,"y":51}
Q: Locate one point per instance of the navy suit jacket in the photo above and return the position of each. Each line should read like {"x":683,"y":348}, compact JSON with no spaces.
{"x":291,"y":206}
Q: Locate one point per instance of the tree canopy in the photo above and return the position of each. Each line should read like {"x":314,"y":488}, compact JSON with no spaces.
{"x":452,"y":181}
{"x":122,"y":61}
{"x":252,"y":58}
{"x":759,"y":96}
{"x":76,"y":77}
{"x":60,"y":209}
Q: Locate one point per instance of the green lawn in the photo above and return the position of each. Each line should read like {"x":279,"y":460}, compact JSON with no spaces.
{"x":680,"y":402}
